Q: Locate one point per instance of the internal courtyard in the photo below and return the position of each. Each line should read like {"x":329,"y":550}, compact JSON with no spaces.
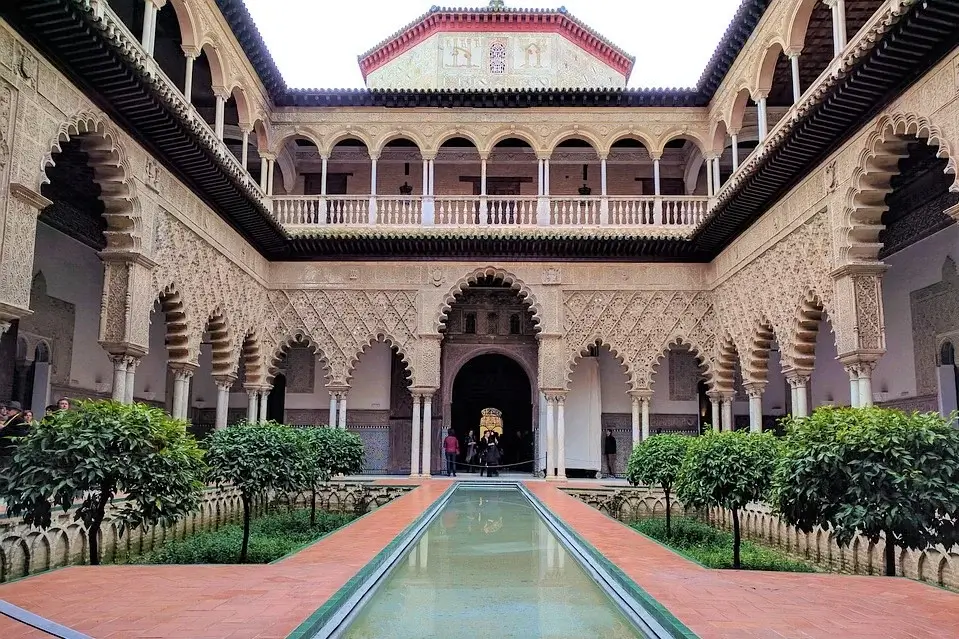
{"x":467,"y":236}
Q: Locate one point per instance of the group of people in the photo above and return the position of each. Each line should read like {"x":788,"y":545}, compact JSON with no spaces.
{"x":485,"y":453}
{"x":16,"y":422}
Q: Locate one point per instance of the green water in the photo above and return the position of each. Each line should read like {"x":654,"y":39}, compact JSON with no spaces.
{"x":489,"y":567}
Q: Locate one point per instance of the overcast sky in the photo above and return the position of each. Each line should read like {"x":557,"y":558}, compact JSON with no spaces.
{"x":316,"y":42}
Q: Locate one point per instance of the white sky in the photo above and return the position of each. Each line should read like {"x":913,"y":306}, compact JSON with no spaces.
{"x":315,"y":43}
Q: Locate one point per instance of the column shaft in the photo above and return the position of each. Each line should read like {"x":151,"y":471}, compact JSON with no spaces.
{"x":656,"y":182}
{"x":735,"y":151}
{"x":644,"y":404}
{"x":761,"y":112}
{"x":415,"y":437}
{"x":188,"y":80}
{"x":426,"y":177}
{"x":264,"y":396}
{"x":602,"y":177}
{"x":427,"y":435}
{"x":331,"y":420}
{"x":218,"y":122}
{"x":727,"y":413}
{"x":715,"y":414}
{"x":561,"y":438}
{"x":717,"y":182}
{"x":130,"y":380}
{"x":119,"y":377}
{"x":341,"y":412}
{"x":483,"y":177}
{"x":853,"y":386}
{"x":324,"y":167}
{"x":550,"y":439}
{"x":222,"y":403}
{"x":797,"y":88}
{"x":269,"y":176}
{"x":635,"y":421}
{"x":245,"y":152}
{"x":251,"y":406}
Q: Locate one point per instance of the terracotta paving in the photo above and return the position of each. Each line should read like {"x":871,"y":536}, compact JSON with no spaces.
{"x":211,"y":602}
{"x":768,"y":605}
{"x":220,"y":602}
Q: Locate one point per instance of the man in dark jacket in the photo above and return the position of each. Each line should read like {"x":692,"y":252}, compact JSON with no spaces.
{"x":609,"y":452}
{"x":13,"y":426}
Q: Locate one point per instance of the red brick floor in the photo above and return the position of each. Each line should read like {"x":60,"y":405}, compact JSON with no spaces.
{"x":739,"y":604}
{"x":200,"y":602}
{"x":217,"y":602}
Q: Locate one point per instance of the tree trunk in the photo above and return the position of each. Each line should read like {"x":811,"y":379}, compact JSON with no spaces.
{"x":890,"y":554}
{"x":246,"y":528}
{"x":668,"y":531}
{"x":313,"y":506}
{"x":93,"y":534}
{"x":735,"y":538}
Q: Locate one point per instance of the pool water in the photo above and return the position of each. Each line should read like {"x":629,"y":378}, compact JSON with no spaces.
{"x":488,"y":566}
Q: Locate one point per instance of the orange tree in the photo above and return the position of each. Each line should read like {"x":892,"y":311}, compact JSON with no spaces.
{"x":882,"y":473}
{"x":656,"y":462}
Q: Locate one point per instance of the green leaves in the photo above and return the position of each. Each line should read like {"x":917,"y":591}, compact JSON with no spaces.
{"x":871,"y":470}
{"x":728,"y":469}
{"x":657,"y":460}
{"x":91,"y":454}
{"x":329,"y":451}
{"x":256,"y":458}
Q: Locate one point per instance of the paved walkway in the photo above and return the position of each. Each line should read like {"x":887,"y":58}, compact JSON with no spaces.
{"x":739,"y":604}
{"x":219,"y":602}
{"x":211,"y":602}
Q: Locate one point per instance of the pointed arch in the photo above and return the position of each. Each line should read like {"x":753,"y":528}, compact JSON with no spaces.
{"x":381,"y":337}
{"x":177,"y":338}
{"x":296,"y":338}
{"x":870,"y":183}
{"x":583,"y":350}
{"x":684,"y":342}
{"x":525,"y":293}
{"x":108,"y":159}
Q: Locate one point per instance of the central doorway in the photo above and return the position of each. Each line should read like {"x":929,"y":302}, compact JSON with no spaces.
{"x":496,"y":381}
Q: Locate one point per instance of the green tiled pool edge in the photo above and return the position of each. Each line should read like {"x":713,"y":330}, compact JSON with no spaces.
{"x":312,"y":624}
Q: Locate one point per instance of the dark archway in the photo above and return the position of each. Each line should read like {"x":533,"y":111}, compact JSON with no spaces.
{"x":496,"y":381}
{"x":276,"y":400}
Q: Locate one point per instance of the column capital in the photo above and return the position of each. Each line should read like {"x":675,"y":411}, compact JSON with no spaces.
{"x":832,"y":4}
{"x":337,"y":388}
{"x":797,"y":378}
{"x":861,"y":269}
{"x":429,"y":157}
{"x":426,"y":392}
{"x":183,"y":370}
{"x":793,"y":52}
{"x":858,"y":366}
{"x":224,"y":381}
{"x":640,"y":394}
{"x":266,"y":155}
{"x":760,"y":95}
{"x":555,"y":395}
{"x":655,"y":155}
{"x":754,"y":389}
{"x":191,"y":52}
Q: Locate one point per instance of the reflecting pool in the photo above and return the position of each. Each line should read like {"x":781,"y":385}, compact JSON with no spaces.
{"x":488,"y":566}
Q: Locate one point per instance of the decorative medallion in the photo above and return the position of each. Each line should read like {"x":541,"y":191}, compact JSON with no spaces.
{"x":552,"y":275}
{"x":436,"y":276}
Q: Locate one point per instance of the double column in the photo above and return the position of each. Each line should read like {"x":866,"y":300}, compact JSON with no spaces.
{"x":148,"y":37}
{"x":338,"y":396}
{"x":421,"y":454}
{"x":721,"y":403}
{"x":555,"y":435}
{"x":124,"y":375}
{"x":223,"y":385}
{"x":429,"y":202}
{"x":182,"y":374}
{"x":754,"y":391}
{"x":860,"y":382}
{"x":640,"y":414}
{"x":838,"y":24}
{"x":256,"y":407}
{"x":798,"y":381}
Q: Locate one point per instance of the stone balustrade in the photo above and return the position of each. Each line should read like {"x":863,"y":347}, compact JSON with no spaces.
{"x":937,"y":565}
{"x":644,"y":214}
{"x":26,"y":550}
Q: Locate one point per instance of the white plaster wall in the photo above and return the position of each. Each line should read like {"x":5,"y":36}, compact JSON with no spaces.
{"x":74,"y":274}
{"x":661,"y":402}
{"x":829,"y":383}
{"x":151,"y":373}
{"x":583,"y":415}
{"x":613,"y":384}
{"x":370,"y":385}
{"x":776,"y":391}
{"x":913,"y":268}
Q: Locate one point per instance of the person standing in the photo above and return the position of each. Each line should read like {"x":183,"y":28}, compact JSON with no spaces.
{"x":470,"y":449}
{"x":451,"y":446}
{"x":63,"y":404}
{"x":12,"y":427}
{"x":609,"y":452}
{"x":492,"y":458}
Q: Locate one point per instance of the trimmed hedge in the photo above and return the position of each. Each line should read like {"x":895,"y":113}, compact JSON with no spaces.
{"x":271,"y":537}
{"x":713,"y":547}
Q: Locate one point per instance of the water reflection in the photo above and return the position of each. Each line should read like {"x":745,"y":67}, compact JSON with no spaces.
{"x":488,"y":566}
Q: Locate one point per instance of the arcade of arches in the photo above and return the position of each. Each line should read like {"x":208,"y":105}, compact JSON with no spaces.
{"x":117,"y":280}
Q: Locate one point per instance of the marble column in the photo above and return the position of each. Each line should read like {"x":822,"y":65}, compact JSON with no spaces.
{"x":727,"y":414}
{"x":341,"y":411}
{"x":761,"y":115}
{"x":188,"y":81}
{"x":264,"y":396}
{"x":132,"y":363}
{"x":427,"y":464}
{"x":182,"y":374}
{"x":797,"y":87}
{"x":245,"y":151}
{"x":657,"y":187}
{"x":223,"y":385}
{"x":415,"y":436}
{"x":251,"y":408}
{"x":717,"y":180}
{"x":799,"y":382}
{"x":735,"y":150}
{"x":331,"y":420}
{"x":218,"y":121}
{"x":120,"y":363}
{"x":550,"y":437}
{"x":865,"y":384}
{"x":561,"y":436}
{"x":838,"y":8}
{"x":710,"y":185}
{"x":372,"y":214}
{"x":754,"y":390}
{"x":644,"y":407}
{"x":635,"y":419}
{"x":148,"y":33}
{"x":715,"y":411}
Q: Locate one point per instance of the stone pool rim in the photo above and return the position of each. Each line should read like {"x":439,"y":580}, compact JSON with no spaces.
{"x":328,"y":619}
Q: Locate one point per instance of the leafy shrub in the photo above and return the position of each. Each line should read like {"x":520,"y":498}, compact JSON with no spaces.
{"x":713,"y":547}
{"x":328,"y":451}
{"x":271,"y":537}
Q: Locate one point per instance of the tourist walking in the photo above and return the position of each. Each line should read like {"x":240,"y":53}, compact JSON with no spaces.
{"x":451,"y":446}
{"x":470,"y":449}
{"x":609,"y":452}
{"x":492,"y":458}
